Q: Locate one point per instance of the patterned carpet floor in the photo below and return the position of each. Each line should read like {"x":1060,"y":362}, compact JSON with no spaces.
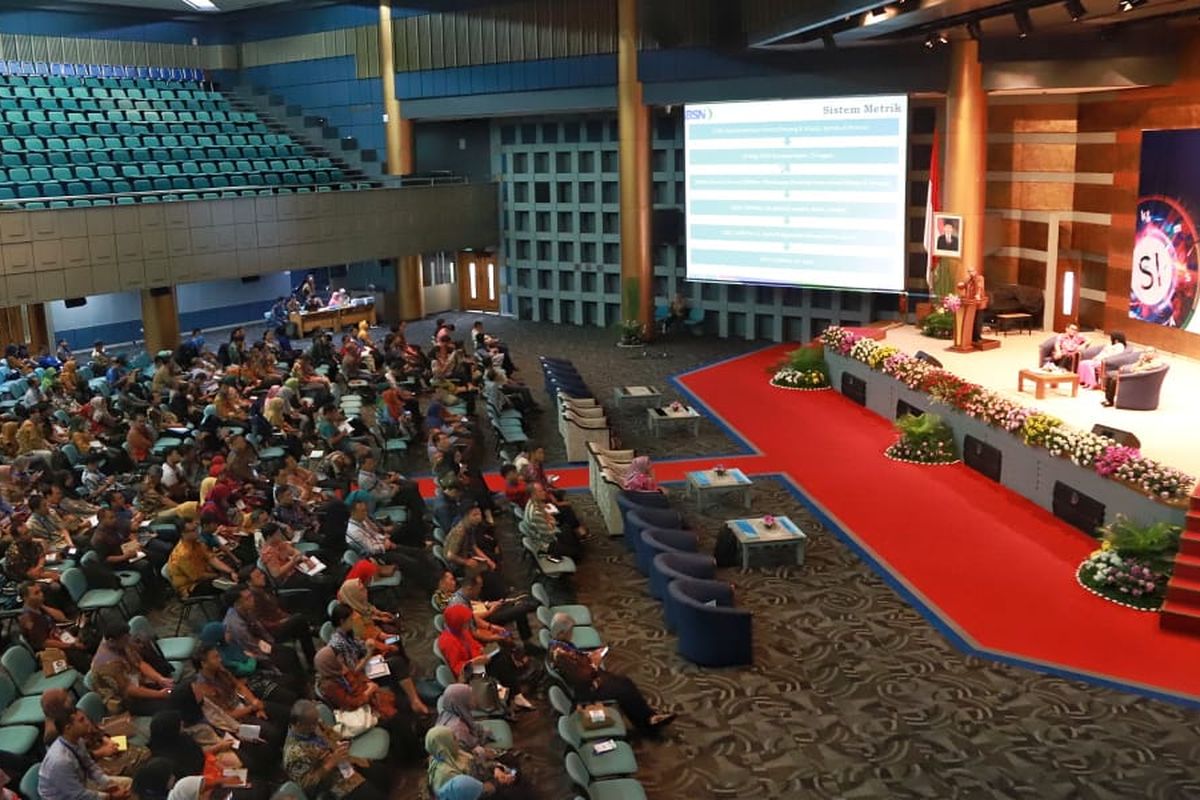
{"x":852,"y":693}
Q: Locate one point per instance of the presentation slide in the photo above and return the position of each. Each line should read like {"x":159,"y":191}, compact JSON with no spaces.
{"x":798,"y":192}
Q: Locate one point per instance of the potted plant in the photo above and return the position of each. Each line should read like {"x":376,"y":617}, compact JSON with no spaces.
{"x":1133,"y":564}
{"x":939,"y":323}
{"x":631,"y":334}
{"x":924,"y":439}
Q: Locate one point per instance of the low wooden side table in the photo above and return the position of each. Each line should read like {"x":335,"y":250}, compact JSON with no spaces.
{"x":1018,"y":319}
{"x":1043,"y":379}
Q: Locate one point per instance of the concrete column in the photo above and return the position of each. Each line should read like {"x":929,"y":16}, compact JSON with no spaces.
{"x":633,"y":119}
{"x":411,"y":287}
{"x":39,"y":327}
{"x":399,"y":136}
{"x":160,"y":319}
{"x":398,"y":131}
{"x":966,"y":152}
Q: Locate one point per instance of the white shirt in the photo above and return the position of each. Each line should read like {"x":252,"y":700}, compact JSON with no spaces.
{"x":171,"y":475}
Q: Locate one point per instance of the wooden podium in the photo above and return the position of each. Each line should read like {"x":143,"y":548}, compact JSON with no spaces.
{"x":964,"y":329}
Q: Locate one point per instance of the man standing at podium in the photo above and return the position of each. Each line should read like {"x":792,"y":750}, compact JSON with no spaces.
{"x":972,"y":289}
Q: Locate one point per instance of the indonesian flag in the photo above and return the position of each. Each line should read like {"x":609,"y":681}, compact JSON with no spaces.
{"x":933,"y":201}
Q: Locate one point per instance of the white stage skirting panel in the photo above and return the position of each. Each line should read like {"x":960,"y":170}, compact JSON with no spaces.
{"x":1171,"y":434}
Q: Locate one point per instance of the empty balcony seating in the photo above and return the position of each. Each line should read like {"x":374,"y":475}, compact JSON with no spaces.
{"x":84,"y":135}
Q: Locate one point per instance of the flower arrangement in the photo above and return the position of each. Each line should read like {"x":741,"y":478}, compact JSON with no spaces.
{"x":924,"y":439}
{"x":768,"y":521}
{"x":951,"y":303}
{"x":1127,"y":581}
{"x":839,"y":339}
{"x":1156,"y":480}
{"x":801,"y":379}
{"x":1038,"y":427}
{"x":804,"y":368}
{"x":1034,"y":427}
{"x":864,"y":350}
{"x":1113,"y":458}
{"x":906,"y":369}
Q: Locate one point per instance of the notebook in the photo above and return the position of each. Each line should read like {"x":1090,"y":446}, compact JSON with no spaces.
{"x":377,"y":668}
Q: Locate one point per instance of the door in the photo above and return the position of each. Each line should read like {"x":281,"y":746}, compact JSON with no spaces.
{"x":479,"y":281}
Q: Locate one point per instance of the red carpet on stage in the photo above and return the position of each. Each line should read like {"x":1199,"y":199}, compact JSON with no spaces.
{"x":990,"y":565}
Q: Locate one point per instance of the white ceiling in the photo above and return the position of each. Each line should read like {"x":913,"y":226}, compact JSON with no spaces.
{"x":180,"y":6}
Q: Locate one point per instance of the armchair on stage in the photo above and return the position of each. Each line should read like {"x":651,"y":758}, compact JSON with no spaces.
{"x":1138,"y":391}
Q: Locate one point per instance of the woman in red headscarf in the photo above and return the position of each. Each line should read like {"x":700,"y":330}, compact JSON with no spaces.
{"x":458,"y":644}
{"x":218,"y":504}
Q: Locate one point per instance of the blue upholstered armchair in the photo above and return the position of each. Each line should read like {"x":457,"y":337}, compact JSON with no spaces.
{"x":635,"y":501}
{"x":717,"y":635}
{"x":669,"y":566}
{"x":658,"y":540}
{"x":640,"y":519}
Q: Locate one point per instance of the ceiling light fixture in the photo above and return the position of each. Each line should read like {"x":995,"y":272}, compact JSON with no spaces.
{"x":202,"y":5}
{"x":930,"y":42}
{"x":1075,"y":10}
{"x":1130,"y":5}
{"x":878,"y":15}
{"x":942,"y":38}
{"x":974,"y":29}
{"x":1024,"y":23}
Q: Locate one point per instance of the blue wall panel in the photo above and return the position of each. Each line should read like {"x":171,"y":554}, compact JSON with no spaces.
{"x":209,"y":304}
{"x":110,"y":25}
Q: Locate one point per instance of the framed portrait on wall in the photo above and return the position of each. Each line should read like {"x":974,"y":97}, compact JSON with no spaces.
{"x":948,"y":235}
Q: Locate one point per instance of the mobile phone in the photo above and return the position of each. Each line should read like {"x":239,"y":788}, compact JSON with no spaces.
{"x":391,"y":640}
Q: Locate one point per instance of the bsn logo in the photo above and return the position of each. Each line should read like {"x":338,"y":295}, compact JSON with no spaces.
{"x":697,"y":113}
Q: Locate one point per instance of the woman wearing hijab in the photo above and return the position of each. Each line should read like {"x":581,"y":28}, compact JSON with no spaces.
{"x":457,"y":714}
{"x":347,"y":692}
{"x":370,"y":621}
{"x":640,"y":477}
{"x":355,"y":653}
{"x":456,"y":775}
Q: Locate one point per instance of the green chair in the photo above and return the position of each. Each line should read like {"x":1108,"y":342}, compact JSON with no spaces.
{"x":29,"y":783}
{"x":581,"y":614}
{"x":566,"y":710}
{"x":498,"y":730}
{"x":91,"y":600}
{"x":618,"y":789}
{"x":173,"y":648}
{"x":615,"y":763}
{"x":289,"y":791}
{"x":19,"y":741}
{"x":372,"y":745}
{"x":27,"y":673}
{"x":18,"y":710}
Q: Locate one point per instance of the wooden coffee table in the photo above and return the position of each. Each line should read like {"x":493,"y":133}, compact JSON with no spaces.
{"x":1043,"y":379}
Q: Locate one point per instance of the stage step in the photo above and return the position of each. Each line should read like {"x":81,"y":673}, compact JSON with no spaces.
{"x":1187,"y":567}
{"x":1194,"y":504}
{"x":1192,"y":522}
{"x":1180,"y":617}
{"x":1189,"y":543}
{"x":1184,"y":591}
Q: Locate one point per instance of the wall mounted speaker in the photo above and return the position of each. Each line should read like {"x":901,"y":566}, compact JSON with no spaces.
{"x":75,"y":302}
{"x":1078,"y":509}
{"x":982,"y":457}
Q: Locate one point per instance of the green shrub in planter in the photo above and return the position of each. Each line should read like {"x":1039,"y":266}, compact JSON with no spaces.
{"x":925,"y":439}
{"x":939,"y":324}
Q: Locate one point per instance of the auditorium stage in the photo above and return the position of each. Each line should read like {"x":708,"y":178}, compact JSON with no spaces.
{"x":1169,"y":434}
